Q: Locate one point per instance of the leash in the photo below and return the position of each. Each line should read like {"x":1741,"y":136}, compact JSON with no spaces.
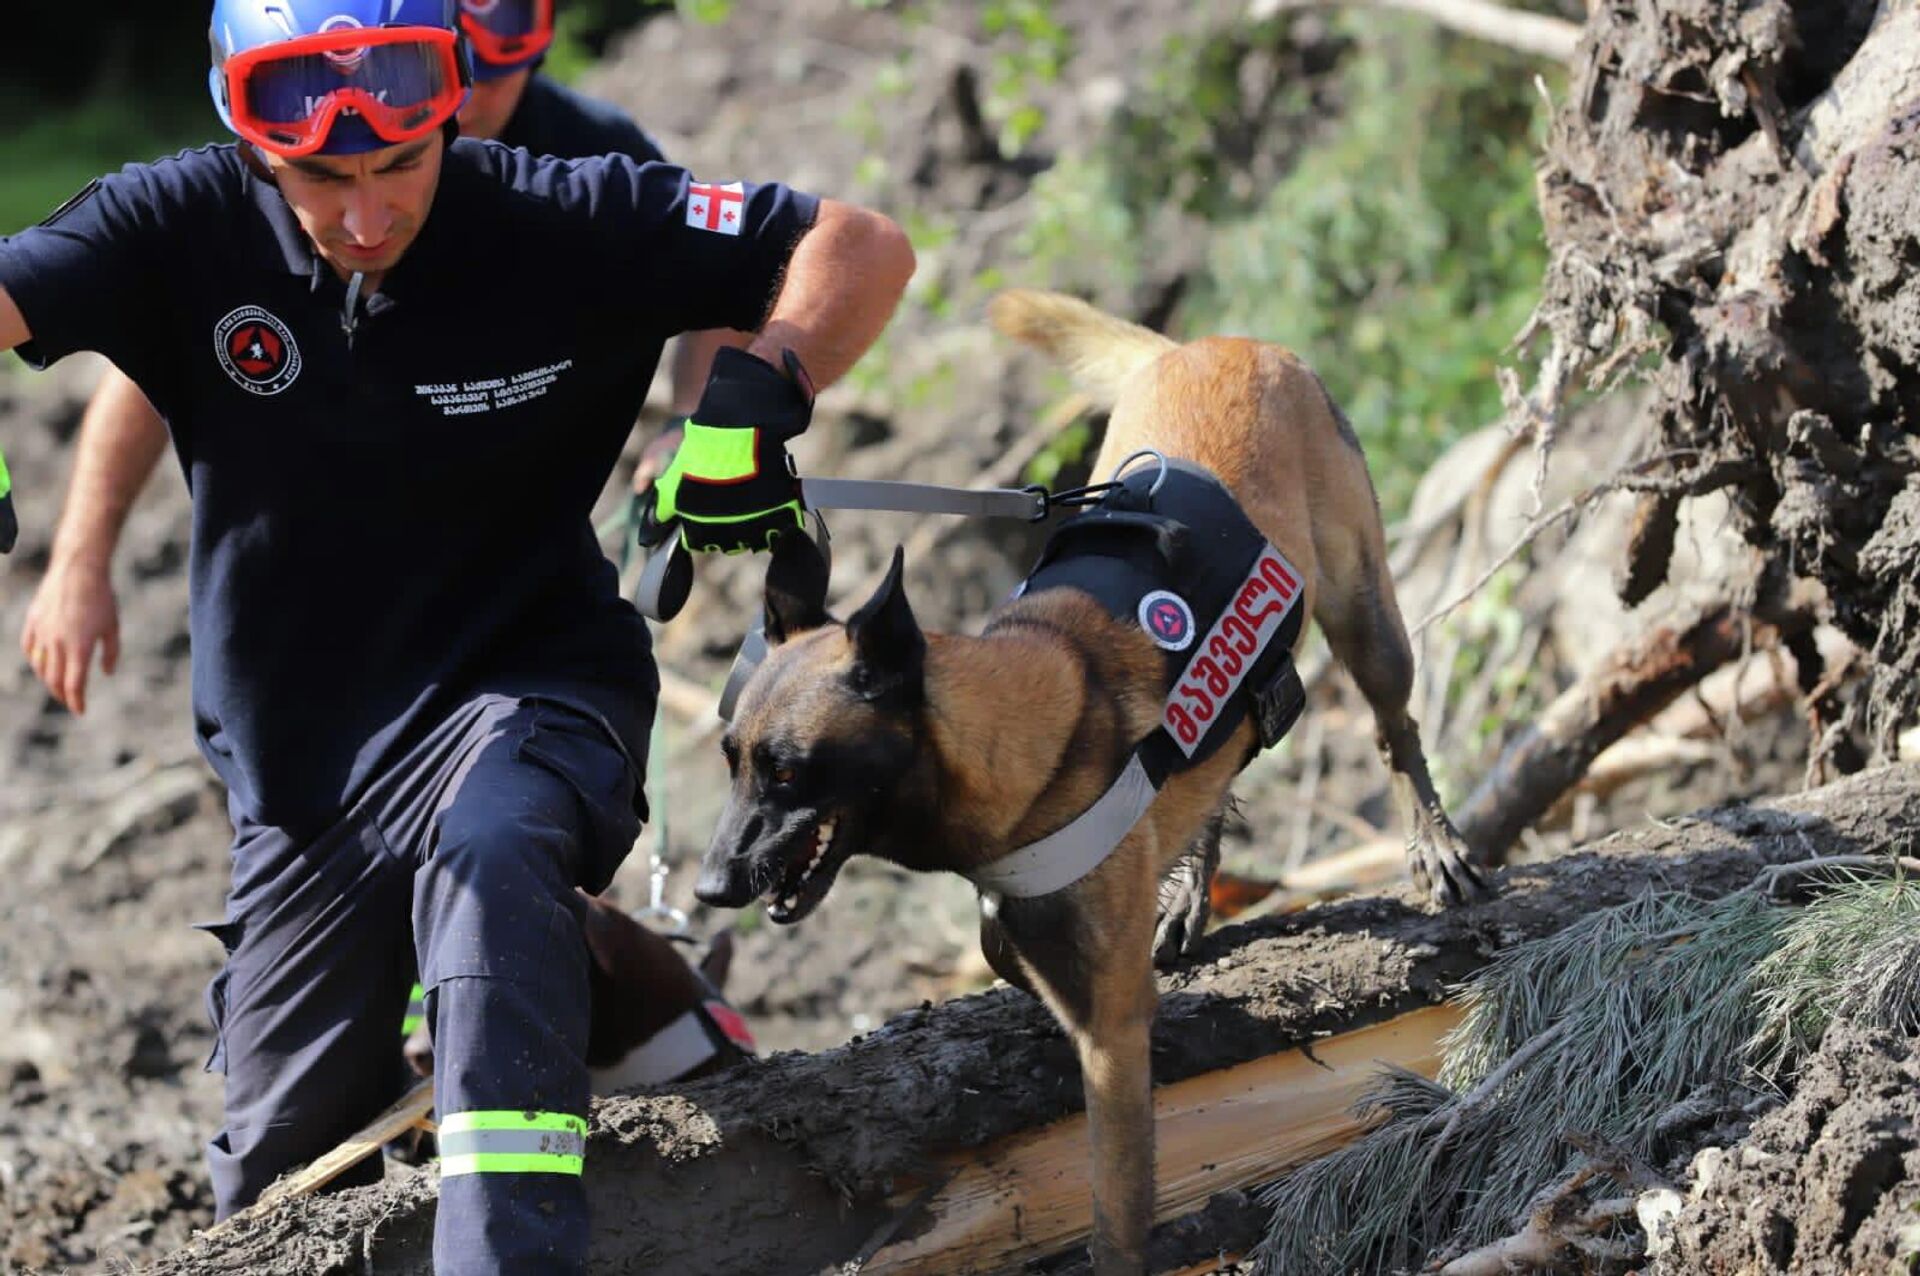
{"x":673,"y":920}
{"x":657,"y":909}
{"x":667,"y":580}
{"x":1031,"y":504}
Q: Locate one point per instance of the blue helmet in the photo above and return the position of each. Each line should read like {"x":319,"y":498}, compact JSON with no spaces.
{"x":507,"y":35}
{"x":242,"y":26}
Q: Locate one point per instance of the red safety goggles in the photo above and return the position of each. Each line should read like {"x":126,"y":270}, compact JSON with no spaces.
{"x":507,"y":31}
{"x":403,"y":81}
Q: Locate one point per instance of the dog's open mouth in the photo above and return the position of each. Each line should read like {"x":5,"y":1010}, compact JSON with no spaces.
{"x":808,"y":875}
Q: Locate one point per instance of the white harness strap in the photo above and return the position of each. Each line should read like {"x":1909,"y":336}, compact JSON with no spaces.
{"x":1066,"y":855}
{"x":667,"y":1055}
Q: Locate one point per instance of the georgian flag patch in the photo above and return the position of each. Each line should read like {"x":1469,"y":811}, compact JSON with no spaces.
{"x":721,"y":209}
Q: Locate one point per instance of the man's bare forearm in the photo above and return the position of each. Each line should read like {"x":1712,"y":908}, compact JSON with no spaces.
{"x":845,"y":278}
{"x":693,"y":359}
{"x":121,"y":439}
{"x":13,"y":324}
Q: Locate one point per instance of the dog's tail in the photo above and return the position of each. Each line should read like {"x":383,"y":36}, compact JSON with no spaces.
{"x":1099,"y":351}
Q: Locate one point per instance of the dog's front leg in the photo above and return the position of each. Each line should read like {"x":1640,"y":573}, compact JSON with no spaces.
{"x":1116,"y":1065}
{"x":1089,"y":953}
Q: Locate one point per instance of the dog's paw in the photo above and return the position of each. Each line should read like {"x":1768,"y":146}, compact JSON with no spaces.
{"x":1185,"y":906}
{"x":1443,"y":867}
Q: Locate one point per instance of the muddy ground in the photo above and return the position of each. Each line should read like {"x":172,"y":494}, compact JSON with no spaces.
{"x":1828,"y":1183}
{"x":112,"y":838}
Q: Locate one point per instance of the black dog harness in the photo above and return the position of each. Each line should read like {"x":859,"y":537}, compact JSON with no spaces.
{"x":1169,"y":549}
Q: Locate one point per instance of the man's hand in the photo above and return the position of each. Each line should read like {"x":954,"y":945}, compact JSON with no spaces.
{"x":656,"y":455}
{"x":72,"y":613}
{"x":9,"y":524}
{"x":730,"y":484}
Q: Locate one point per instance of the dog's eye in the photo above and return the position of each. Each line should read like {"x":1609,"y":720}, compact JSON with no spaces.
{"x":730,"y":750}
{"x":784,"y":775}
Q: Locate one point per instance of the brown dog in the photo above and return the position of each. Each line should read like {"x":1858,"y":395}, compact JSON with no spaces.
{"x":945,"y":752}
{"x":655,"y":1017}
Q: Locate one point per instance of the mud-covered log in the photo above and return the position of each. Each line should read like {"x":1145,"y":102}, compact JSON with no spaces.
{"x":792,"y":1164}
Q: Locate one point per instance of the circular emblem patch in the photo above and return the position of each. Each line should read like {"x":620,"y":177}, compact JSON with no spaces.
{"x":256,"y":350}
{"x":346,"y":61}
{"x":1167,"y":619}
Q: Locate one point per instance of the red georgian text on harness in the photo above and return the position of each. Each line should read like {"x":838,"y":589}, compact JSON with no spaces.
{"x":1222,"y":659}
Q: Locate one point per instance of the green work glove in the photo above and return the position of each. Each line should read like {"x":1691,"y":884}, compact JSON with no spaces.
{"x":9,"y":525}
{"x":654,"y":459}
{"x":731,"y":485}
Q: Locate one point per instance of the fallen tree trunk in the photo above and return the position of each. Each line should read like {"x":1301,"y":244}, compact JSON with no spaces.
{"x":799,"y":1163}
{"x":1028,"y":1196}
{"x":1630,"y":686}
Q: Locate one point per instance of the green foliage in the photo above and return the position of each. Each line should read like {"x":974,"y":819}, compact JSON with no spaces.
{"x":707,"y":11}
{"x":1378,"y":217}
{"x":584,"y":28}
{"x":50,"y":156}
{"x":1032,"y":48}
{"x":571,"y":55}
{"x":1067,"y":448}
{"x":1081,"y":237}
{"x":1850,"y":954}
{"x":1213,"y":120}
{"x":1402,"y":253}
{"x":1492,"y":682}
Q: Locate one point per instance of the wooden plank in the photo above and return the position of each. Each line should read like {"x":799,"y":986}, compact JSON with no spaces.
{"x":414,"y":1109}
{"x":1027,"y":1196}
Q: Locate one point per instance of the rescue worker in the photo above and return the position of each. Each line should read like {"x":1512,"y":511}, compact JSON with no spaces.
{"x":74,"y":616}
{"x":397,"y":370}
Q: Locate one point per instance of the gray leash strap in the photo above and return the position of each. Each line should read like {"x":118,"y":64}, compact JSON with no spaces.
{"x":1029,"y":503}
{"x":753,"y":649}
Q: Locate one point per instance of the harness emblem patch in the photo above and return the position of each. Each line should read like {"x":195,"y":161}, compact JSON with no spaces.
{"x":1167,"y":619}
{"x":256,"y":350}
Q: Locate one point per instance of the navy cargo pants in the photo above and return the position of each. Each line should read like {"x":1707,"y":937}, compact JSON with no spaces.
{"x":464,"y":858}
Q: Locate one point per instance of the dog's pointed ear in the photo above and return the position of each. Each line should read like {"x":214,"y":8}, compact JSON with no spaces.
{"x":796,"y":588}
{"x":889,"y":651}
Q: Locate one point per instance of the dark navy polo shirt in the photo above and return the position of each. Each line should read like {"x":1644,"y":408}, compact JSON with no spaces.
{"x":391,"y":513}
{"x":552,"y":119}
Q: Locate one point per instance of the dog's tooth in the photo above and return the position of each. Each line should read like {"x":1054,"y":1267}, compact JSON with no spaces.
{"x":790,"y":903}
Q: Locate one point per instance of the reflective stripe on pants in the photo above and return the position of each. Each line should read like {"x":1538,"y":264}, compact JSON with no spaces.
{"x":512,"y":1143}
